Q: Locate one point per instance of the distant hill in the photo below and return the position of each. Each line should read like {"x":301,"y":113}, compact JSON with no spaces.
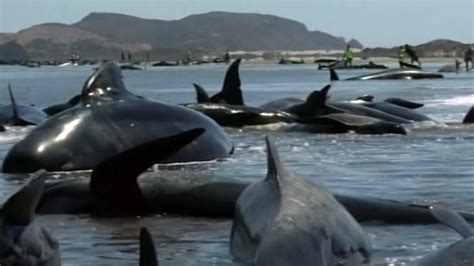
{"x":435,"y":48}
{"x":105,"y":35}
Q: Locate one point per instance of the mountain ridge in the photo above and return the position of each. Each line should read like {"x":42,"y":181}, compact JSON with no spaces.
{"x":103,"y":34}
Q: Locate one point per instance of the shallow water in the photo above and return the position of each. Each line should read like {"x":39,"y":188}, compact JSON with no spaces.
{"x":433,"y":163}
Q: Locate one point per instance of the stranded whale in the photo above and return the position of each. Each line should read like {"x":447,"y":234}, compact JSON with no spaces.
{"x":285,"y":220}
{"x":391,"y":74}
{"x":108,"y":120}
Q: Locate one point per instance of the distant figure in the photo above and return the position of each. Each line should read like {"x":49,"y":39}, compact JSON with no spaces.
{"x":412,"y":54}
{"x":468,"y":58}
{"x":401,"y":55}
{"x":122,"y":56}
{"x":188,"y":57}
{"x":129,"y":57}
{"x":226,"y":57}
{"x":347,"y":56}
{"x":457,"y":64}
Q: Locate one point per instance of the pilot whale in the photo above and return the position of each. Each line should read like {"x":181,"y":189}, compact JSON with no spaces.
{"x":460,"y":253}
{"x":227,"y":107}
{"x":286,"y":220}
{"x":22,"y":240}
{"x":186,"y":192}
{"x":108,"y":120}
{"x":20,"y":115}
{"x":391,"y":74}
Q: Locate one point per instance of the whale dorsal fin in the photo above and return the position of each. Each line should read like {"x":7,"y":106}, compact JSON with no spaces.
{"x":16,"y":119}
{"x":333,"y":75}
{"x":147,"y":249}
{"x":20,"y":208}
{"x":201,"y":94}
{"x":231,"y":92}
{"x":105,"y":84}
{"x":453,"y":220}
{"x":314,"y":105}
{"x":275,"y":168}
{"x":113,"y":181}
{"x":469,"y":118}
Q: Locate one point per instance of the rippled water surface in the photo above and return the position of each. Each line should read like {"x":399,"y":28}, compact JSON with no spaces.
{"x":433,"y":163}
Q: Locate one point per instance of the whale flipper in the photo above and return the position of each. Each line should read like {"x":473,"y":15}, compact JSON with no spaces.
{"x":201,"y":94}
{"x":20,"y":208}
{"x":469,"y":118}
{"x":333,"y":74}
{"x":231,"y":92}
{"x":453,"y":220}
{"x":404,"y":103}
{"x":122,"y":170}
{"x":147,"y":249}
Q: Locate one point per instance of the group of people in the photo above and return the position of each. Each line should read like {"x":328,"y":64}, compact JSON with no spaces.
{"x":408,"y":50}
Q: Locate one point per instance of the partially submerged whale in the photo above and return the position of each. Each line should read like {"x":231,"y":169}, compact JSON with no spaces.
{"x":111,"y":119}
{"x":341,"y":64}
{"x":460,"y":253}
{"x":285,"y":220}
{"x":394,"y":109}
{"x":20,"y":115}
{"x":469,"y":117}
{"x":227,"y":107}
{"x":391,"y":74}
{"x":186,"y":192}
{"x":316,"y":115}
{"x":22,"y":241}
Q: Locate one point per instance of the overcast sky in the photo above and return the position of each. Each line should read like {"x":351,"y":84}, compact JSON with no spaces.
{"x":372,"y":22}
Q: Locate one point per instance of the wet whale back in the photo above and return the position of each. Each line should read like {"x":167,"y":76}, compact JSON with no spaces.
{"x":110,"y":119}
{"x":285,"y":220}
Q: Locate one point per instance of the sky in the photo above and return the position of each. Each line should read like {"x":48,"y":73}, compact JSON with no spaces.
{"x":375,"y":23}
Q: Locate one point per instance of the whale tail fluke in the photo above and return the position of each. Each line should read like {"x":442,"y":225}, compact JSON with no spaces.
{"x":333,"y":74}
{"x":453,"y":220}
{"x":469,"y":118}
{"x":231,"y":92}
{"x":147,"y":249}
{"x":113,"y":182}
{"x":201,"y":94}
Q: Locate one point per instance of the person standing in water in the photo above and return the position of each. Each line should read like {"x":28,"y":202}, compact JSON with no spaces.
{"x":468,"y":58}
{"x":401,"y":55}
{"x":412,"y":54}
{"x":347,"y":56}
